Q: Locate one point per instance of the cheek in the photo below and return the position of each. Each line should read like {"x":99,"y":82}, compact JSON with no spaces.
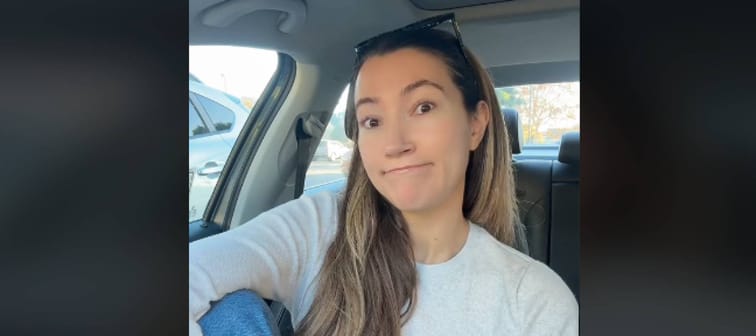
{"x":370,"y":153}
{"x":448,"y":135}
{"x":451,"y":147}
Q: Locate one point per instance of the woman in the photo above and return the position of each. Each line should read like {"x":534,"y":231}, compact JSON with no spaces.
{"x":421,"y":241}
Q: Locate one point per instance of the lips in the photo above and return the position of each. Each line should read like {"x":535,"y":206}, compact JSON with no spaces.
{"x":408,"y":168}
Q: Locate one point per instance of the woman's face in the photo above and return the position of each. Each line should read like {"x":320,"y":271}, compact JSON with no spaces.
{"x":414,"y":133}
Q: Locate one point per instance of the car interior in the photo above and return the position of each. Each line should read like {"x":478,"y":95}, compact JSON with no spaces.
{"x":519,"y":41}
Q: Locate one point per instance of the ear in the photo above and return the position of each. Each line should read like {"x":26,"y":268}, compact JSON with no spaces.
{"x":479,"y":124}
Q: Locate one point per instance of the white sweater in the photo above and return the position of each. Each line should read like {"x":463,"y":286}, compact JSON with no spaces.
{"x":488,"y":288}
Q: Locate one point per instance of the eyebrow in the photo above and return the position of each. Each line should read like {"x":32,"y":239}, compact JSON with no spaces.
{"x":407,"y":89}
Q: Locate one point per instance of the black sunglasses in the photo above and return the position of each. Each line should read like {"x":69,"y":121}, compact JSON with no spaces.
{"x":425,"y":24}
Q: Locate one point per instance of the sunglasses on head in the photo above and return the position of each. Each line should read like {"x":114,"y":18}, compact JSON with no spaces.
{"x":425,"y":24}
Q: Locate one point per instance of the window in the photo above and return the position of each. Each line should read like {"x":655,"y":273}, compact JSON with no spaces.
{"x":196,"y":125}
{"x":546,"y":111}
{"x":224,"y":84}
{"x":330,"y":164}
{"x":221,"y":117}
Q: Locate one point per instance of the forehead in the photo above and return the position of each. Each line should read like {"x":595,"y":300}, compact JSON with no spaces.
{"x":389,"y":73}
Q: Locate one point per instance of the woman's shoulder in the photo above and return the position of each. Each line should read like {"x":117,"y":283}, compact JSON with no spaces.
{"x":533,"y":284}
{"x":515,"y":265}
{"x":499,"y":255}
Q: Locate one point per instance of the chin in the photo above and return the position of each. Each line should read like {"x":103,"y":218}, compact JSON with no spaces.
{"x":412,"y":200}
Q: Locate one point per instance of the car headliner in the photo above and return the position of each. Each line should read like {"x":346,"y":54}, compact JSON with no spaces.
{"x":503,"y":35}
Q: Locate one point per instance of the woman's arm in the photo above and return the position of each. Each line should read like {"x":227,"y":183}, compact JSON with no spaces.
{"x":271,"y":254}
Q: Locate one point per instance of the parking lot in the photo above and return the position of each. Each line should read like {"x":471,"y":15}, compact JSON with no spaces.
{"x":322,"y":172}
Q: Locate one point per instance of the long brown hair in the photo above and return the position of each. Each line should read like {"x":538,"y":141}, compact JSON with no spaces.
{"x":367,"y":283}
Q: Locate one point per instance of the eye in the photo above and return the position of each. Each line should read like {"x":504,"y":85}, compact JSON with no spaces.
{"x":424,"y":107}
{"x":369,"y":123}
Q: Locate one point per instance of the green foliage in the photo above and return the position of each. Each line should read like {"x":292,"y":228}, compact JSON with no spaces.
{"x":509,"y":97}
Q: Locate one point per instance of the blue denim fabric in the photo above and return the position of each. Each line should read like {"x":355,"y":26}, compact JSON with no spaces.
{"x":241,"y":313}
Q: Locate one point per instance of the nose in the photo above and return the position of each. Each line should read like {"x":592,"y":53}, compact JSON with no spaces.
{"x":399,"y":149}
{"x":397,"y":143}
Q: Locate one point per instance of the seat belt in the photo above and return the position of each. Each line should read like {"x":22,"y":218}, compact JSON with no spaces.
{"x":308,"y":127}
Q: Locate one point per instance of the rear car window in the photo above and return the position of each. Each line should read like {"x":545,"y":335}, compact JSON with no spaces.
{"x":546,"y":111}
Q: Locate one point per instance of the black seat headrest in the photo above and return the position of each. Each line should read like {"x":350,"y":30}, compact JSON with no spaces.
{"x":569,"y":149}
{"x":512,"y":122}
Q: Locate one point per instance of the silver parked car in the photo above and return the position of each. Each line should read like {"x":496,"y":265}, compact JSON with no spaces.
{"x":215,"y":120}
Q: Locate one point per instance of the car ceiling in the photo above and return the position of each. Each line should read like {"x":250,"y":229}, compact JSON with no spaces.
{"x":504,"y":34}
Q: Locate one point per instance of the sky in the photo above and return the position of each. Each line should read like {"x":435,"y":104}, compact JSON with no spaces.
{"x":341,"y":106}
{"x":240,"y":71}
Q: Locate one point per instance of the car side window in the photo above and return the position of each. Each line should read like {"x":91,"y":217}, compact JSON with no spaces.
{"x":225,"y":82}
{"x":330,"y":163}
{"x":221,"y":117}
{"x":196,"y":125}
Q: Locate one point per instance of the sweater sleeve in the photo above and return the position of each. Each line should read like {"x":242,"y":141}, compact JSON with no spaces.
{"x":548,"y":306}
{"x":272,"y":254}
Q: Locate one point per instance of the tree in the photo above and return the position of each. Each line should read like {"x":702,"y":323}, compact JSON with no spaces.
{"x":509,"y":97}
{"x":539,"y":104}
